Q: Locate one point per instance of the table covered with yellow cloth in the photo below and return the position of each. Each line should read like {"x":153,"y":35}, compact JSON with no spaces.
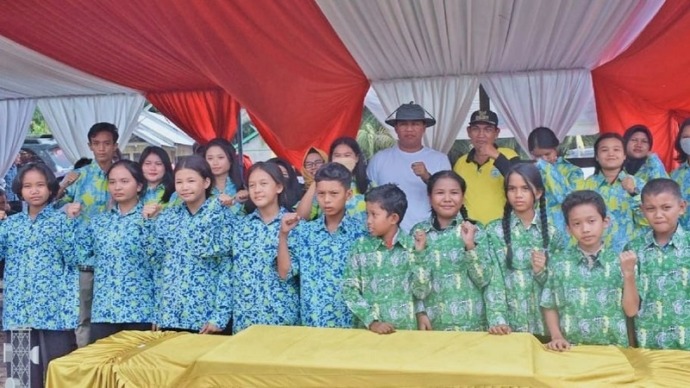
{"x":309,"y":357}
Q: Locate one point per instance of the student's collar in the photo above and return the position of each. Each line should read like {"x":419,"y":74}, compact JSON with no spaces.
{"x":257,"y":215}
{"x":677,"y":240}
{"x":202,"y":208}
{"x":585,"y":257}
{"x":433,"y":223}
{"x":137,"y":209}
{"x":401,"y":239}
{"x":45,"y":212}
{"x":473,"y":151}
{"x":515,"y":220}
{"x":343,"y":223}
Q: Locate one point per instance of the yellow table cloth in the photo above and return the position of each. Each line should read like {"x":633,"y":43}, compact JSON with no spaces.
{"x":308,"y":357}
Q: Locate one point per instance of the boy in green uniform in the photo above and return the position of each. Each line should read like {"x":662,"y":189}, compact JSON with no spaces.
{"x":582,"y":297}
{"x":378,"y":286}
{"x":656,"y":268}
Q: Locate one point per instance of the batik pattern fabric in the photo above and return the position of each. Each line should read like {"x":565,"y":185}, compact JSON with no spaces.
{"x":458,"y":279}
{"x":651,"y":169}
{"x":681,"y":175}
{"x":320,"y":260}
{"x":9,"y":178}
{"x":662,"y":282}
{"x":260,"y":296}
{"x":90,"y":190}
{"x":626,"y":220}
{"x":513,"y":294}
{"x":41,"y":273}
{"x":383,"y":284}
{"x":588,"y":299}
{"x":556,"y":188}
{"x":121,"y":248}
{"x":355,"y":205}
{"x":194,"y":283}
{"x":231,"y":190}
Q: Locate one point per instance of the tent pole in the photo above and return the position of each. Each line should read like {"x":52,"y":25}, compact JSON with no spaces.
{"x":239,"y":138}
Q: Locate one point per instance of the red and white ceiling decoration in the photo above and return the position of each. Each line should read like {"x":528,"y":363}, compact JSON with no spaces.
{"x":302,"y":68}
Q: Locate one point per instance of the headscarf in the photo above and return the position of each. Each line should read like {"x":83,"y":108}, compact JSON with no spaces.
{"x":308,"y":178}
{"x":633,"y":165}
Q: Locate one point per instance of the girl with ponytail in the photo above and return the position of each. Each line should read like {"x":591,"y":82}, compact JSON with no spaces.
{"x":446,"y":244}
{"x":520,"y":245}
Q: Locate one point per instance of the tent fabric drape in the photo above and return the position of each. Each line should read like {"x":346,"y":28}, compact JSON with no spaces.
{"x":448,"y":99}
{"x":71,"y":118}
{"x":407,"y":41}
{"x":635,"y":88}
{"x":282,"y":61}
{"x":15,"y":118}
{"x":203,"y":115}
{"x":553,"y":99}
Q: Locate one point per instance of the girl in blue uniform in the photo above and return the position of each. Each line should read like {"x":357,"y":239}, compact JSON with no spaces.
{"x":260,"y":296}
{"x":119,"y":245}
{"x":227,"y":175}
{"x":158,"y":172}
{"x":194,"y":252}
{"x":41,"y":276}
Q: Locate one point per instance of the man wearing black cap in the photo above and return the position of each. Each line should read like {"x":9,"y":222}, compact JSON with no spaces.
{"x":484,"y":167}
{"x":409,"y":164}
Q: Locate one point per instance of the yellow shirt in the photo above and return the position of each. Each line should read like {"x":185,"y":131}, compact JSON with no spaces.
{"x":485,"y":196}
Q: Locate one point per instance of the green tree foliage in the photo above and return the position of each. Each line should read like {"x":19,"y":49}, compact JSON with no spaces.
{"x":38,"y":127}
{"x":373,"y":136}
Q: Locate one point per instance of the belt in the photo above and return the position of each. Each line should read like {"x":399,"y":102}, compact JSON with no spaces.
{"x":86,"y":268}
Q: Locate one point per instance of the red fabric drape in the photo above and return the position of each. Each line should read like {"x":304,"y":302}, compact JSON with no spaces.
{"x":279,"y":59}
{"x":203,"y":115}
{"x":648,"y":83}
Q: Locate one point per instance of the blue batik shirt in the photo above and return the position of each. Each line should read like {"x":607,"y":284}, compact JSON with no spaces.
{"x":121,"y":249}
{"x":320,"y":261}
{"x":194,"y":253}
{"x":260,"y":297}
{"x":41,"y":274}
{"x":681,"y":175}
{"x":9,"y":178}
{"x":90,"y":190}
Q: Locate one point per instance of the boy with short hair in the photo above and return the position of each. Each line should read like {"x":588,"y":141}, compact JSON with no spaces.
{"x":656,"y":269}
{"x":321,"y":249}
{"x":378,"y":285}
{"x":581,"y":300}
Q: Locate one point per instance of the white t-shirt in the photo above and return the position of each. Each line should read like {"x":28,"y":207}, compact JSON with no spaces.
{"x":393,"y":165}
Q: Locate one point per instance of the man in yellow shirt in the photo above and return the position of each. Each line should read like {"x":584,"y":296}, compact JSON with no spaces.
{"x":484,"y":167}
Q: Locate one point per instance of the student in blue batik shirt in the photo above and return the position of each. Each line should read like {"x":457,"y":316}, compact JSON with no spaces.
{"x":681,"y":175}
{"x":194,"y":252}
{"x":259,"y":295}
{"x":322,"y":248}
{"x":620,"y":191}
{"x":120,"y":244}
{"x":158,"y":172}
{"x":41,"y":279}
{"x":226,"y":168}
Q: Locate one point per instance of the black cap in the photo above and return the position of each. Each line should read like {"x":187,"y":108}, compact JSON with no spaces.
{"x":484,"y":116}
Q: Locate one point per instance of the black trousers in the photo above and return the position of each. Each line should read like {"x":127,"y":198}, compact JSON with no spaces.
{"x":103,"y":330}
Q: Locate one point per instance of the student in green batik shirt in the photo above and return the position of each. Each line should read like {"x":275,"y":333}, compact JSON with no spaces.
{"x":458,"y":276}
{"x":378,"y":281}
{"x":582,"y":298}
{"x":656,"y":270}
{"x":519,"y":246}
{"x":681,"y":175}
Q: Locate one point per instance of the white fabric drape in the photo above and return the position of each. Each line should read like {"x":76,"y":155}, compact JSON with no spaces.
{"x":406,"y":41}
{"x":528,"y":100}
{"x":15,"y":118}
{"x":26,"y":73}
{"x":448,"y":99}
{"x":70,"y":119}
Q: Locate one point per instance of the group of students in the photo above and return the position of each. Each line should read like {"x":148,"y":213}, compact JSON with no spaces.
{"x":196,"y":249}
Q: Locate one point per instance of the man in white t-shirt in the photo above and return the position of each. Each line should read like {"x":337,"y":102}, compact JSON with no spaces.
{"x":409,"y":164}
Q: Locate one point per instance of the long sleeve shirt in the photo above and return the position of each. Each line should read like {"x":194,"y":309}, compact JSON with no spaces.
{"x":458,"y":279}
{"x":121,"y":248}
{"x":90,"y":190}
{"x":194,"y":252}
{"x":260,"y":297}
{"x":41,"y":273}
{"x":378,"y":283}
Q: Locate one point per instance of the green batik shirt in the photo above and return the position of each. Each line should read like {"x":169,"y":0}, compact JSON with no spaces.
{"x":662,"y":281}
{"x":681,"y":175}
{"x":458,"y":278}
{"x":623,"y":209}
{"x":588,"y":300}
{"x":379,"y":283}
{"x":512,"y":295}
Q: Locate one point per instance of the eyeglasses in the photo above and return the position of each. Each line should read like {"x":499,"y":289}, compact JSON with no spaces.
{"x":315,"y":164}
